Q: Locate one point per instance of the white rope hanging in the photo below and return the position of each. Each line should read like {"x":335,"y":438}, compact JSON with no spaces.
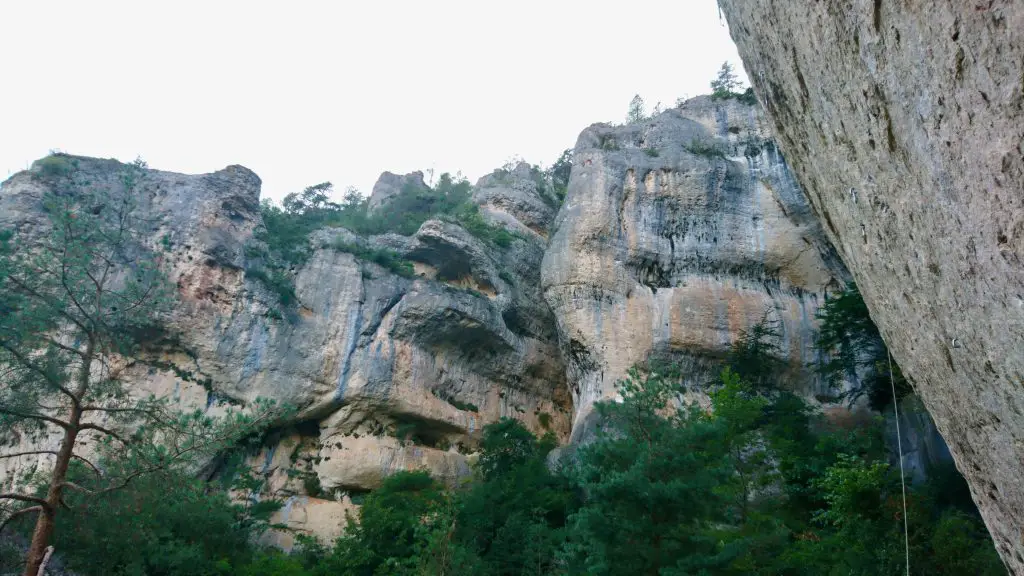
{"x":903,"y":478}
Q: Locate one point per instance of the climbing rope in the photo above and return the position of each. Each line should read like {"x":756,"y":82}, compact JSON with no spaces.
{"x":903,"y":478}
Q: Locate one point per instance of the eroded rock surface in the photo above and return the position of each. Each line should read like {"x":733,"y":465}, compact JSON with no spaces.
{"x":676,"y":234}
{"x":904,"y":123}
{"x":389,"y":185}
{"x":364,"y":354}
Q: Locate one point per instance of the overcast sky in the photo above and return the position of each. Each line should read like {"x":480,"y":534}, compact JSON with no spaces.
{"x":302,"y":92}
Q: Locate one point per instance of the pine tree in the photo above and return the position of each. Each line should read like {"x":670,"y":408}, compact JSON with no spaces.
{"x":726,"y":84}
{"x":77,"y":303}
{"x":636,"y":110}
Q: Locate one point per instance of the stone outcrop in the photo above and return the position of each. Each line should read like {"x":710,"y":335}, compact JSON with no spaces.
{"x":389,"y":185}
{"x":519,"y":198}
{"x":364,"y":355}
{"x":904,"y":123}
{"x":677,"y":233}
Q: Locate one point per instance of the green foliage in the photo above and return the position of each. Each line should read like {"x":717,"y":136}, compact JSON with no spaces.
{"x":513,"y":517}
{"x":507,"y":277}
{"x":387,"y":259}
{"x":270,"y":563}
{"x":747,"y":97}
{"x":636,"y":111}
{"x":651,"y":151}
{"x":560,"y":172}
{"x":854,"y":349}
{"x":726,"y":83}
{"x":468,"y":216}
{"x":55,"y":165}
{"x":545,"y":420}
{"x":277,"y":280}
{"x":287,"y":228}
{"x":389,"y":529}
{"x":758,"y":484}
{"x":705,"y":148}
{"x":651,"y":484}
{"x":169,"y":523}
{"x":754,"y":355}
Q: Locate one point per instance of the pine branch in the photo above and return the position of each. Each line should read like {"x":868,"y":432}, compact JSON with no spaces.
{"x":107,"y":431}
{"x":18,"y":513}
{"x":54,"y":452}
{"x":24,"y":498}
{"x":27,"y":362}
{"x":34,"y":416}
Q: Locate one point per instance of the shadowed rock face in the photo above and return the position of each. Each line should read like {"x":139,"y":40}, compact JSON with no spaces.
{"x":676,"y":234}
{"x":465,"y":342}
{"x":904,"y":123}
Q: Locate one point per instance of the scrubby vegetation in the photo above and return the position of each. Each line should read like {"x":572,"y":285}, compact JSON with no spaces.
{"x":705,"y":148}
{"x":385,"y":258}
{"x":287,"y":227}
{"x":560,"y":172}
{"x":726,"y":85}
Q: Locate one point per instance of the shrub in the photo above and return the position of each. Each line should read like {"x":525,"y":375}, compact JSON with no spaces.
{"x":277,"y":281}
{"x":385,"y":258}
{"x":607,"y":142}
{"x":311,"y":484}
{"x":704,"y":148}
{"x":545,"y":420}
{"x":468,"y":216}
{"x":55,"y":166}
{"x":652,"y":152}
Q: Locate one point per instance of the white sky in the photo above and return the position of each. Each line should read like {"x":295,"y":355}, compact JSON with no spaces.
{"x":302,"y":92}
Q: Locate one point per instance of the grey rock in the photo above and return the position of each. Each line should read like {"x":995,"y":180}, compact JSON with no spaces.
{"x":904,"y":124}
{"x":676,"y":234}
{"x":389,"y":185}
{"x":517,"y":199}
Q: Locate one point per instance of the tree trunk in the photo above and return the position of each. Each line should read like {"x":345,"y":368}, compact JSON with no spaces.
{"x":45,"y":523}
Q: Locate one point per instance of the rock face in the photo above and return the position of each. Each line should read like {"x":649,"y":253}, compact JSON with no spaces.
{"x":389,"y":185}
{"x":904,"y":123}
{"x":365,"y":353}
{"x":518,"y":198}
{"x":677,"y":233}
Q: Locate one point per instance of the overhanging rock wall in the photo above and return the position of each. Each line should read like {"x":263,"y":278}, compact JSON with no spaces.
{"x":904,"y":123}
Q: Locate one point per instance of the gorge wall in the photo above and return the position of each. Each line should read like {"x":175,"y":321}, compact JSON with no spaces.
{"x":676,"y":234}
{"x":904,"y":123}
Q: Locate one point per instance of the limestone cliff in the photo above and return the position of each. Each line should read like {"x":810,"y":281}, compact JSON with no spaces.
{"x":676,"y":234}
{"x":904,"y":123}
{"x":363,"y":353}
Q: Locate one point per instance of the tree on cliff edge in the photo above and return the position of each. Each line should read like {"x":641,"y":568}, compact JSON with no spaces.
{"x":636,"y":110}
{"x":726,"y":83}
{"x":77,"y":303}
